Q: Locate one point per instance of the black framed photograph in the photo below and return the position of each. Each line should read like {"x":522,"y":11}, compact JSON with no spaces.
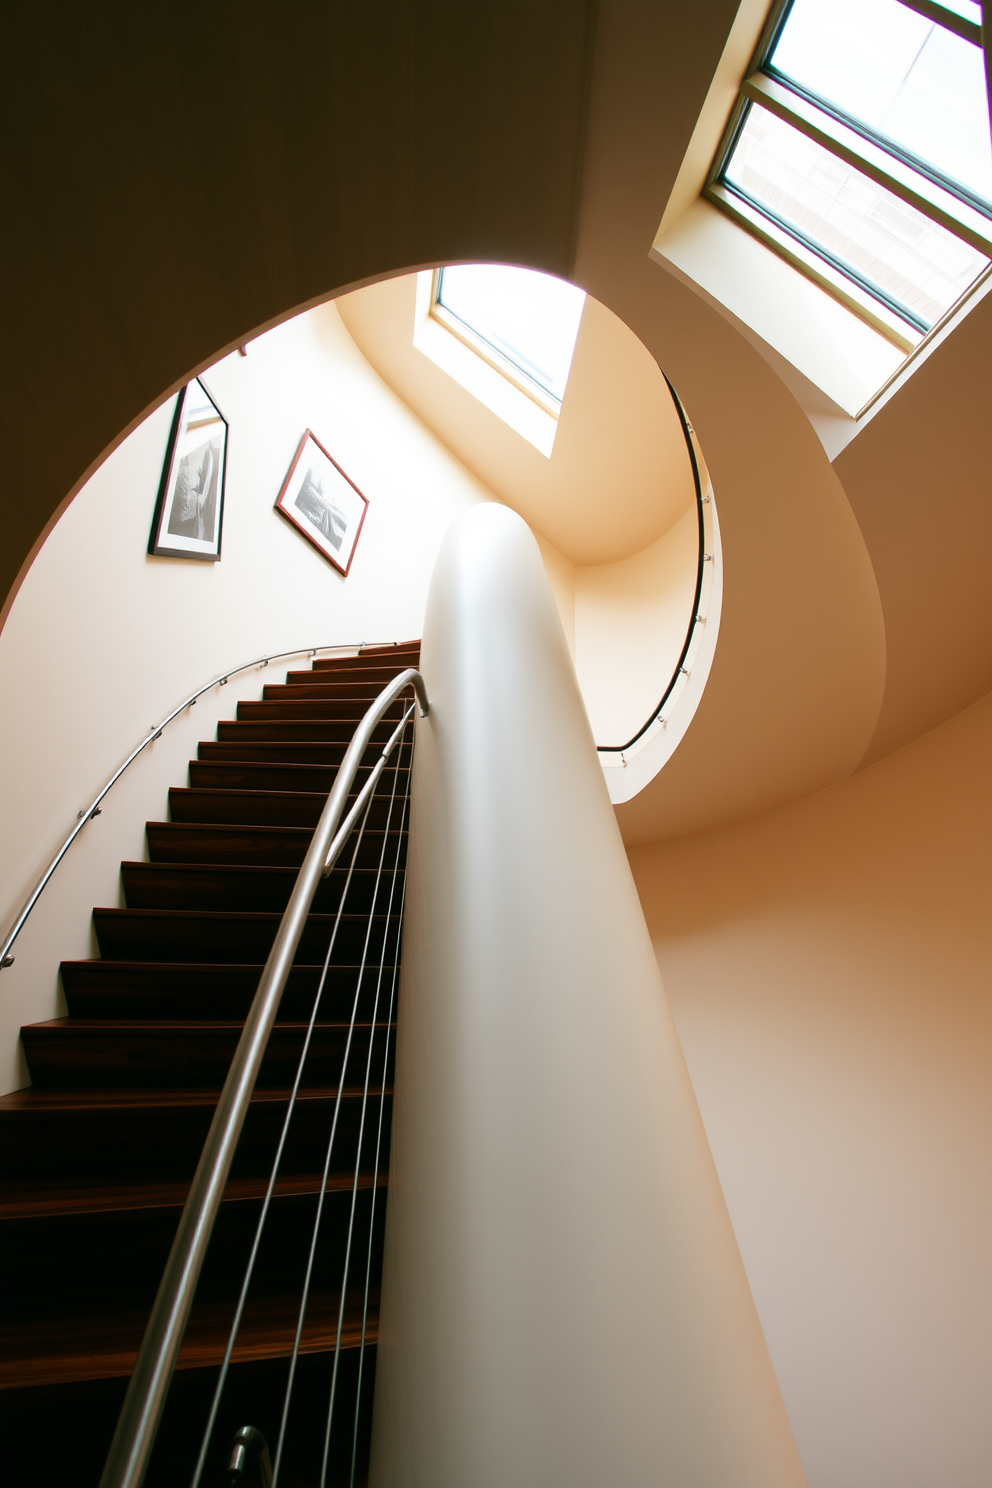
{"x":189,"y":512}
{"x":323,"y":503}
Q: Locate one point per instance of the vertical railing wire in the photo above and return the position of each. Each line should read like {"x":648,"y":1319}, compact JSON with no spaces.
{"x":287,"y":1399}
{"x":375,"y":1183}
{"x":239,"y":1310}
{"x":358,"y":1155}
{"x":361,"y":825}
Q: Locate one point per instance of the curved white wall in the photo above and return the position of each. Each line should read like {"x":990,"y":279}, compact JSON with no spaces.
{"x":563,"y":1302}
{"x":631,"y":620}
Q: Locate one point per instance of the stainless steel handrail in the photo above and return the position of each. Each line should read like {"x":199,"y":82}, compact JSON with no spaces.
{"x":94,"y":808}
{"x":146,"y":1393}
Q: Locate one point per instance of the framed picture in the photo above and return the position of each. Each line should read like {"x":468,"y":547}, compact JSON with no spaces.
{"x":323,"y":503}
{"x":190,"y":507}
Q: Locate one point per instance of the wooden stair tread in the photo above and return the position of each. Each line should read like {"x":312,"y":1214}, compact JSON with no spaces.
{"x":204,"y":1026}
{"x":273,"y":775}
{"x":299,"y":730}
{"x":101,"y":1347}
{"x":262,"y":808}
{"x":253,"y":887}
{"x":254,"y":845}
{"x":189,"y":989}
{"x":121,"y":1101}
{"x":50,"y":1201}
{"x":290,"y":751}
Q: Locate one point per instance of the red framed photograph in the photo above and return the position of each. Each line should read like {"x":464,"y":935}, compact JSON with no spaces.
{"x":323,"y":503}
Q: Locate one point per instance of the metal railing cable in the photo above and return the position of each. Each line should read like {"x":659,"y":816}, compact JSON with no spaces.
{"x":337,"y":846}
{"x":358,"y":1158}
{"x":375,"y":1191}
{"x":148,"y":1387}
{"x":94,"y":809}
{"x":301,"y":1315}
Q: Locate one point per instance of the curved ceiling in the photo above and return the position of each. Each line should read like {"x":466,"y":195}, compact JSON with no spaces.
{"x":619,"y":475}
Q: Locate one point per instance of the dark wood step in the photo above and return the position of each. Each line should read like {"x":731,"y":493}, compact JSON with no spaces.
{"x":361,"y":694}
{"x":98,"y":1136}
{"x":377,"y":655}
{"x":150,"y":989}
{"x":375,"y":677}
{"x":277,"y":730}
{"x":330,"y":708}
{"x":398,"y":657}
{"x":292,"y":752}
{"x":255,"y":808}
{"x":204,"y":935}
{"x":246,"y":887}
{"x":82,"y":1263}
{"x":246,"y":775}
{"x":276,"y":847}
{"x":90,"y":1054}
{"x":33,"y":1201}
{"x":105,"y":1345}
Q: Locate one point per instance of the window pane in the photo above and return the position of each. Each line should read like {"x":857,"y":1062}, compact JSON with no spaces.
{"x":910,"y":80}
{"x":889,"y":245}
{"x":532,"y":319}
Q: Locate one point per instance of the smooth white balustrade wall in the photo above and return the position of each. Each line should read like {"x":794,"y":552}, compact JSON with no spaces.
{"x":563,"y":1300}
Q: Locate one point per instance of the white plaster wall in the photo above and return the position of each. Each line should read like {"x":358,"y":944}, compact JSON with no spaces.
{"x":631,"y":619}
{"x":829,"y":966}
{"x":103,"y":640}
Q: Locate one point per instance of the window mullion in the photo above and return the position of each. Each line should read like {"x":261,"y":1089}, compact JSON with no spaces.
{"x":949,"y":19}
{"x":820,"y":127}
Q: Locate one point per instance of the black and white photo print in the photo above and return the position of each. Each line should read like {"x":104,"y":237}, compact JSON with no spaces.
{"x":190,"y":507}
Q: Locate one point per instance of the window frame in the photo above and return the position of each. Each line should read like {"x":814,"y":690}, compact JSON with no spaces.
{"x":946,"y":203}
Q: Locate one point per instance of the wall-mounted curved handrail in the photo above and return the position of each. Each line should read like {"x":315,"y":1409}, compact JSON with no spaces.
{"x":153,"y":1369}
{"x":155,"y":732}
{"x":696,"y":619}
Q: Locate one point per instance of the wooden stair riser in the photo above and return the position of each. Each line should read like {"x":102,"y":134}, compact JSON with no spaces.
{"x":78,"y":1142}
{"x":275,"y":847}
{"x":281,"y":730}
{"x":293,"y":751}
{"x":98,"y":1265}
{"x":191,"y":935}
{"x":236,"y":887}
{"x":368,"y":675}
{"x":329,"y":709}
{"x":274,"y":776}
{"x":73,"y":1054}
{"x":224,"y":993}
{"x":268,"y":808}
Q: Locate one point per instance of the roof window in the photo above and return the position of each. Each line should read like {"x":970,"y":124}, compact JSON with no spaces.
{"x":859,"y":150}
{"x":523,"y":323}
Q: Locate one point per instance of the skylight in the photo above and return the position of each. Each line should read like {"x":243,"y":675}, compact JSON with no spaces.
{"x":522,"y":322}
{"x":860,"y":150}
